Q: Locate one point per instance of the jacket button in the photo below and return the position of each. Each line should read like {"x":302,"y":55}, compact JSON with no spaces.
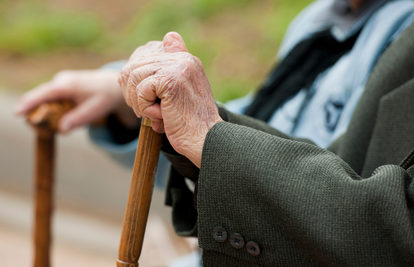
{"x":237,"y":241}
{"x":220,"y":234}
{"x":253,"y":248}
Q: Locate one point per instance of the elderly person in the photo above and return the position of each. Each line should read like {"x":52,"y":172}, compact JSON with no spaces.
{"x":339,"y":40}
{"x":326,"y":58}
{"x":265,"y":200}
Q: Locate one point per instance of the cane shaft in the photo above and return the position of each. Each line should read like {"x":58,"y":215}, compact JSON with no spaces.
{"x":44,"y":198}
{"x":139,"y":198}
{"x":44,"y":120}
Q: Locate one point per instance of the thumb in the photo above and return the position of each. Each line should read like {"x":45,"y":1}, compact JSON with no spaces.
{"x":173,"y":42}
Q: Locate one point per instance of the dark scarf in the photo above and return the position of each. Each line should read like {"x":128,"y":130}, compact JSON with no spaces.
{"x":297,"y":71}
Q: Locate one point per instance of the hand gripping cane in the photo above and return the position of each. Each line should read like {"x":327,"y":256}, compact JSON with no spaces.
{"x":140,"y":193}
{"x":44,"y":120}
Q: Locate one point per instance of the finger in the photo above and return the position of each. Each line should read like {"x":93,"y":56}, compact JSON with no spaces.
{"x":127,"y":72}
{"x":43,"y":93}
{"x":136,"y":77}
{"x":173,"y":42}
{"x":88,"y":111}
{"x":152,"y":47}
{"x":141,"y":73}
{"x":123,"y":89}
{"x":134,"y":100}
{"x":146,"y":97}
{"x":158,"y":127}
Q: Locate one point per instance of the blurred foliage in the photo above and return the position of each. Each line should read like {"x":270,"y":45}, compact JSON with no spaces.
{"x":197,"y":20}
{"x":37,"y":28}
{"x":236,"y":40}
{"x":185,"y":16}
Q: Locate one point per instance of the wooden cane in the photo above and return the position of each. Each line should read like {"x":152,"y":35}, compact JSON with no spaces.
{"x":44,"y":120}
{"x":140,"y":194}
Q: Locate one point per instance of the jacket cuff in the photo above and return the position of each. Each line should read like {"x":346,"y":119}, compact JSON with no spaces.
{"x":181,"y":199}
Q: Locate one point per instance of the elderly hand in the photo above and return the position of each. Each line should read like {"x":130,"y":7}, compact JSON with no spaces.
{"x":187,"y":110}
{"x":96,"y":94}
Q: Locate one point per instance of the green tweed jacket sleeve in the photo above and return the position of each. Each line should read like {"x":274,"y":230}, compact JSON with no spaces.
{"x":305,"y":206}
{"x":302,"y":205}
{"x":264,"y":199}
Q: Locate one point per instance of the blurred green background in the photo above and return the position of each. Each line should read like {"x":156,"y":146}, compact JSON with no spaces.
{"x":236,"y":40}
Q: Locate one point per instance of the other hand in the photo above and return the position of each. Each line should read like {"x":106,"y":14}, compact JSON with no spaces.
{"x":96,"y":94}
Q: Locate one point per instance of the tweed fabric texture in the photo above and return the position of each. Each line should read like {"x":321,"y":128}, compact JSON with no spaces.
{"x":210,"y":259}
{"x":305,"y":206}
{"x":302,"y":204}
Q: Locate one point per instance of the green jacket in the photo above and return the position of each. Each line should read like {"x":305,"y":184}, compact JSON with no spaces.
{"x":350,"y":205}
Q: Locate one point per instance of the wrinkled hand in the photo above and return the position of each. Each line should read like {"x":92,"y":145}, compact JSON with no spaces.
{"x":187,"y":110}
{"x":95,"y":93}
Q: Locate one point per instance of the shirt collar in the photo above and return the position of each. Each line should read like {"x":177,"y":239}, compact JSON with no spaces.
{"x":343,"y":22}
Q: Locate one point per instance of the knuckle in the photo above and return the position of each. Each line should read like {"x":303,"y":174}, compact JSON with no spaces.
{"x":123,"y":77}
{"x":188,"y":66}
{"x":120,"y":80}
{"x":197,"y":61}
{"x":58,"y":90}
{"x":63,"y":74}
{"x":65,"y":79}
{"x":152,"y":43}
